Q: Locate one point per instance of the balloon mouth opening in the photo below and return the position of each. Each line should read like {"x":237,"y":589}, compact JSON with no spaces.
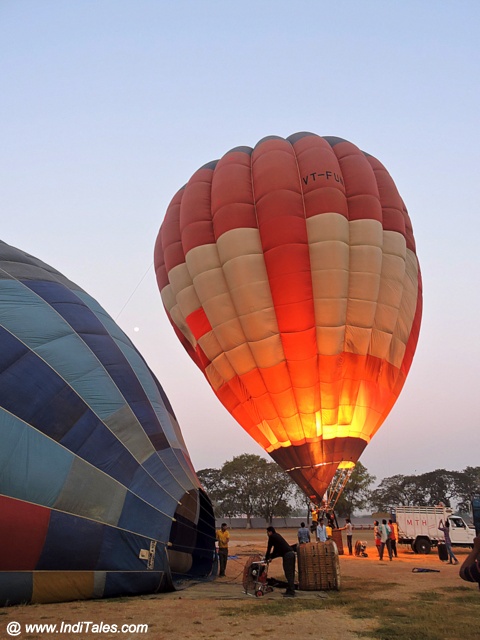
{"x":346,"y":464}
{"x":319,"y":464}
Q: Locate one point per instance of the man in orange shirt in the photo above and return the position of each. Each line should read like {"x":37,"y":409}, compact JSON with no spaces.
{"x":393,"y":536}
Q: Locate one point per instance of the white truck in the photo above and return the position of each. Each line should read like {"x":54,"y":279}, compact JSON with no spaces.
{"x":418,"y":527}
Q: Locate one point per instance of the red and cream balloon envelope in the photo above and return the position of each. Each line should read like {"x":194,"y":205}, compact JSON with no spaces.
{"x":289,"y":274}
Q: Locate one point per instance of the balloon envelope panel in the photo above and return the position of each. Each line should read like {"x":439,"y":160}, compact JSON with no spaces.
{"x":98,"y":496}
{"x":289,"y":273}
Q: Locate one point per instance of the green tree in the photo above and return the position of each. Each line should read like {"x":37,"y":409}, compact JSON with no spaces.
{"x":439,"y":486}
{"x":428,"y":489}
{"x":211,"y":480}
{"x":301,"y":503}
{"x":398,"y":490}
{"x":248,"y":485}
{"x":277,"y":490}
{"x":356,"y":494}
{"x":467,"y":485}
{"x":216,"y":489}
{"x":243,"y":488}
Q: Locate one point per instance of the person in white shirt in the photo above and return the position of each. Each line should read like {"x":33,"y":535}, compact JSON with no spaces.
{"x":321,"y":531}
{"x":349,"y":529}
{"x":384,"y":531}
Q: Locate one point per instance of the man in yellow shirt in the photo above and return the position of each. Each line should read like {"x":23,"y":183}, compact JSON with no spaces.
{"x":222,"y":538}
{"x":314,"y":512}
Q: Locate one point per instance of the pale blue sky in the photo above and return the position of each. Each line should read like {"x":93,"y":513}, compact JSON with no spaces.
{"x":107,"y":107}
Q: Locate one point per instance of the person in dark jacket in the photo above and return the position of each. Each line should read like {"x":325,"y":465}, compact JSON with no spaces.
{"x":470,"y":569}
{"x":278,"y":547}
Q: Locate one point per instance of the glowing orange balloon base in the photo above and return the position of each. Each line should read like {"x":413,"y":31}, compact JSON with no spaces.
{"x":311,"y":477}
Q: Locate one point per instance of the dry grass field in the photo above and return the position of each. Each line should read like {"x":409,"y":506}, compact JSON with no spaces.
{"x":377,"y":601}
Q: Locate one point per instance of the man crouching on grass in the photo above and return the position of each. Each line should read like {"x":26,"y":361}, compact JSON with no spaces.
{"x":278,"y":547}
{"x":470,"y":569}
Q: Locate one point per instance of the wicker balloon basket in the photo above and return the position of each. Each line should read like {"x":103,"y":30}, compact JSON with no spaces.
{"x":337,"y":538}
{"x":318,"y":566}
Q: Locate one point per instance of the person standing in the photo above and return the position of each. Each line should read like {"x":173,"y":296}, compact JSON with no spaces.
{"x":376,"y":535}
{"x":349,"y":529}
{"x":303,"y":534}
{"x":470,"y":569}
{"x":321,"y":531}
{"x":448,"y":543}
{"x":329,"y":530}
{"x":223,"y":538}
{"x":278,"y":547}
{"x":393,"y":536}
{"x":384,"y":531}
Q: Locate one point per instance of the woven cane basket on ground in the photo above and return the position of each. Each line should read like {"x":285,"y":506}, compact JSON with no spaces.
{"x":318,"y":566}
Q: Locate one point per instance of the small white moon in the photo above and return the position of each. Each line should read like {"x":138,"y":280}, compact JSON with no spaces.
{"x":136,"y":329}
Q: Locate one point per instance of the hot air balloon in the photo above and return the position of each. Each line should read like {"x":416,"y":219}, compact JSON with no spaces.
{"x":290,"y":276}
{"x":98,"y":496}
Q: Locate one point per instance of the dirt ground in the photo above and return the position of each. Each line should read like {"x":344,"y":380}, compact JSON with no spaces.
{"x":198,"y":611}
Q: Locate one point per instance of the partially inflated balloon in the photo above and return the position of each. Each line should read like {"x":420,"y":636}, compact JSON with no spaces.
{"x":98,"y":497}
{"x":290,"y":276}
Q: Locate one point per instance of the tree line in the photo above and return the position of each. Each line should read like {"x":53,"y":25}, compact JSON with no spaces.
{"x":248,"y":485}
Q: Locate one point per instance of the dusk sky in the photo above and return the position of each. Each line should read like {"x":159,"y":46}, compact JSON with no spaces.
{"x":107,"y":108}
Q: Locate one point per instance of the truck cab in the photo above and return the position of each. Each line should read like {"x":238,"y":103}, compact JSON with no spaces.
{"x":460,"y":533}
